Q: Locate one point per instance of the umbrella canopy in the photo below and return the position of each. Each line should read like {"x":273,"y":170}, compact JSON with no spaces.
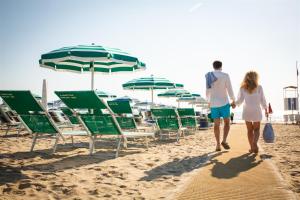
{"x":174,"y":93}
{"x":181,"y":93}
{"x":186,"y":99}
{"x":150,"y":83}
{"x":94,"y":58}
{"x":105,"y":94}
{"x":201,"y":102}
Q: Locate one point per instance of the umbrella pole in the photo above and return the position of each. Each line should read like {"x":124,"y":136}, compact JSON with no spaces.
{"x":152,"y":96}
{"x":92,"y":75}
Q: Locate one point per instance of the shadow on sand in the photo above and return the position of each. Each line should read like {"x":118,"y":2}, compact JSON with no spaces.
{"x":234,"y":166}
{"x":60,"y":162}
{"x":179,"y":166}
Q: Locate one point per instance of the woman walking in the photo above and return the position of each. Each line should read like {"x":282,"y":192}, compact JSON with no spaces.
{"x":251,"y":93}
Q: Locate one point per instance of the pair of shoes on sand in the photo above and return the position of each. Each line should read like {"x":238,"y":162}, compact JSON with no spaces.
{"x":225,"y":145}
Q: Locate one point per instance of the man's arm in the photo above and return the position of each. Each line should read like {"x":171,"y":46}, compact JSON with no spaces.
{"x":229,"y":89}
{"x":208,"y":94}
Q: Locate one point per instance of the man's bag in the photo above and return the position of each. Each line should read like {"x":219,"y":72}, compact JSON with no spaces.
{"x":268,"y":133}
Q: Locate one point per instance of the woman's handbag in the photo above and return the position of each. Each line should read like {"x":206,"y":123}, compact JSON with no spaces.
{"x":268,"y":133}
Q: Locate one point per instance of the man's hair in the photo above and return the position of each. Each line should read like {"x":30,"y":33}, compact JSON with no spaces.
{"x":217,"y":64}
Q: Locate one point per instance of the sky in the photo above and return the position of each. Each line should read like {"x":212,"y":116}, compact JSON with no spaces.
{"x":177,"y":40}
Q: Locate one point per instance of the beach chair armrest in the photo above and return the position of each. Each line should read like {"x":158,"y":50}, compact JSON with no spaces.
{"x":137,"y":134}
{"x":75,"y":133}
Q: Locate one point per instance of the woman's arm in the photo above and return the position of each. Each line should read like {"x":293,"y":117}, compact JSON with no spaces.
{"x":263,"y":101}
{"x":240,"y":98}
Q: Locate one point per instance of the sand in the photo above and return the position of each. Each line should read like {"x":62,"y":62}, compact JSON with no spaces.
{"x":285,"y":153}
{"x":137,"y":173}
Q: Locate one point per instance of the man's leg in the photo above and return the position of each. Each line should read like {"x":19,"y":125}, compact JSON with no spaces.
{"x":226,"y":129}
{"x":217,"y":132}
{"x":225,"y":113}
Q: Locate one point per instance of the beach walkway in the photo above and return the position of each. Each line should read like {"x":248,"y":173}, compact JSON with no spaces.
{"x":236,"y":174}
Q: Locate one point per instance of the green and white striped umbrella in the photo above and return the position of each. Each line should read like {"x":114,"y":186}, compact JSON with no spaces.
{"x":150,"y":83}
{"x":93,"y":58}
{"x":180,"y":94}
{"x":174,"y":93}
{"x":201,"y":102}
{"x":104,"y":94}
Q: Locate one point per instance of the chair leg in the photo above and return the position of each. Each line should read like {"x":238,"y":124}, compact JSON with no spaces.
{"x":118,"y":146}
{"x":55,"y":144}
{"x":91,"y":145}
{"x":33,"y":141}
{"x":147,"y":143}
{"x":160,"y":135}
{"x":125,"y":143}
{"x":18,"y":131}
{"x":72,"y":138}
{"x":95,"y":137}
{"x":7,"y":130}
{"x":178,"y":135}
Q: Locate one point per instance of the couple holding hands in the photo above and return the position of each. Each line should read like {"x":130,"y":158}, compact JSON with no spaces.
{"x":218,"y":88}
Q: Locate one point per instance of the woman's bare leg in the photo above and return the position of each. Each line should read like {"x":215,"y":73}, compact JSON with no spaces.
{"x":256,"y":130}
{"x":250,"y":134}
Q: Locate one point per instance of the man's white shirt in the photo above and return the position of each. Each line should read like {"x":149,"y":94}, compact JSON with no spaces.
{"x":218,"y":94}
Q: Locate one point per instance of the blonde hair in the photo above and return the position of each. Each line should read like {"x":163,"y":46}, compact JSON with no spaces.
{"x":250,"y":82}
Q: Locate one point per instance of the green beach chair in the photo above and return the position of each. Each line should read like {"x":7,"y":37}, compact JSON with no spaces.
{"x":9,"y":120}
{"x":167,"y":120}
{"x":99,"y":119}
{"x":70,"y":115}
{"x":187,"y":118}
{"x":34,"y":117}
{"x":124,"y":115}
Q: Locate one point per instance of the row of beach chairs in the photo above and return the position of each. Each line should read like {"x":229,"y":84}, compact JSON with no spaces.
{"x":96,"y":117}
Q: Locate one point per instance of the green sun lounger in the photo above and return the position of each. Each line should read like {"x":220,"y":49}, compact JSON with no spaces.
{"x":124,"y":115}
{"x":187,"y":118}
{"x":9,"y":120}
{"x":34,"y":117}
{"x":167,"y":121}
{"x":70,"y":115}
{"x":99,"y":119}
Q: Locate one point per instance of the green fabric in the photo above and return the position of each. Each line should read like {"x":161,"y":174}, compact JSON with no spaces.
{"x":38,"y":124}
{"x":187,"y":117}
{"x":104,"y":94}
{"x":100,"y":125}
{"x":168,"y":123}
{"x":166,"y":118}
{"x":163,"y":112}
{"x":186,"y":112}
{"x":95,"y":121}
{"x":21,"y":101}
{"x":174,"y":93}
{"x":24,"y":103}
{"x":126,"y":122}
{"x":120,"y":107}
{"x":80,"y":58}
{"x":188,"y":122}
{"x":81,"y":99}
{"x":148,"y":83}
{"x":73,"y":119}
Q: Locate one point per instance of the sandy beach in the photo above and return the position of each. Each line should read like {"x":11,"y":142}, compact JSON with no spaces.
{"x":285,"y":153}
{"x":137,"y":173}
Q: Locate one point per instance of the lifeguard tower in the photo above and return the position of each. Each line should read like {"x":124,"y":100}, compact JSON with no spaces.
{"x":291,"y":104}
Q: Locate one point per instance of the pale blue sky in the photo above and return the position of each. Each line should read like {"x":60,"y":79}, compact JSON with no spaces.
{"x":177,"y":40}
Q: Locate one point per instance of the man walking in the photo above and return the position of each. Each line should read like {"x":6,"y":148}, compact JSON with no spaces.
{"x":218,"y":87}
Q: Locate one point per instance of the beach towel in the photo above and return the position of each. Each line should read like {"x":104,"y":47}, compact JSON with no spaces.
{"x":210,"y":79}
{"x":268,"y":133}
